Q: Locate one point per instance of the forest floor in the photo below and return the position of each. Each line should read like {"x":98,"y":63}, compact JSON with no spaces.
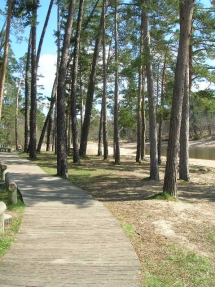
{"x":160,"y":227}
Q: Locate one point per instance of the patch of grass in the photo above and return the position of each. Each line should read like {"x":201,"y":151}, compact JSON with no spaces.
{"x":129,"y":229}
{"x":7,"y":239}
{"x":180,"y":268}
{"x":79,"y":174}
{"x":163,"y":196}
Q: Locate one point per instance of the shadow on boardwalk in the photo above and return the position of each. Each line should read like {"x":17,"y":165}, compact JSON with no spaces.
{"x":67,"y":238}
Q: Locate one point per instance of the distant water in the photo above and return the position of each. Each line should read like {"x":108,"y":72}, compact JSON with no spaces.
{"x":203,"y":152}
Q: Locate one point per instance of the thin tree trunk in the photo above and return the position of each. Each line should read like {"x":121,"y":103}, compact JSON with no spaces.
{"x":100,"y":134}
{"x":44,"y":31}
{"x":33,"y":111}
{"x":170,"y":179}
{"x":139,"y":101}
{"x":6,"y":47}
{"x":62,"y":169}
{"x":17,"y":112}
{"x":90,"y":94}
{"x":27,"y":96}
{"x":49,"y":133}
{"x":116,"y":93}
{"x":161,"y":113}
{"x":154,"y":170}
{"x":76,"y":158}
{"x":48,"y":117}
{"x":139,"y":123}
{"x":143,"y":116}
{"x":104,"y":96}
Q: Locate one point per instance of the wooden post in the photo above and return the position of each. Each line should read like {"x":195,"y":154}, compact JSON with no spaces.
{"x":2,"y":210}
{"x":3,"y":168}
{"x":11,"y":188}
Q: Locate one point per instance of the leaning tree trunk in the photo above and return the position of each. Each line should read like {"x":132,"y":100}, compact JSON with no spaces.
{"x":33,"y":111}
{"x":48,"y":117}
{"x":90,"y":94}
{"x":170,"y":179}
{"x":62,"y":169}
{"x":154,"y":170}
{"x":44,"y":31}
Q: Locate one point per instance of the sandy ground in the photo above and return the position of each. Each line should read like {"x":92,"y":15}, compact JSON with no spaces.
{"x":189,"y":222}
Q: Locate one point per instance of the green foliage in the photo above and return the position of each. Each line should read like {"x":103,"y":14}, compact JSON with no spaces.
{"x":7,"y":239}
{"x":163,"y":196}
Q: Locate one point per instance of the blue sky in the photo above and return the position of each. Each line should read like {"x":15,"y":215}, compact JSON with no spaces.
{"x":48,"y":54}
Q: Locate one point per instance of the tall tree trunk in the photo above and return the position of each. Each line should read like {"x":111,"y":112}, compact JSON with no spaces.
{"x":33,"y":111}
{"x":184,"y":132}
{"x":4,"y":64}
{"x":161,"y":113}
{"x":170,"y":179}
{"x":143,"y":116}
{"x":104,"y":96}
{"x":154,"y":171}
{"x":62,"y":169}
{"x":139,"y":122}
{"x":17,"y":112}
{"x":90,"y":93}
{"x":139,"y":101}
{"x":76,"y":158}
{"x":27,"y":96}
{"x":116,"y":92}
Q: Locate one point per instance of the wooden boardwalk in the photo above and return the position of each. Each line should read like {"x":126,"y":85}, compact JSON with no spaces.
{"x":67,"y":238}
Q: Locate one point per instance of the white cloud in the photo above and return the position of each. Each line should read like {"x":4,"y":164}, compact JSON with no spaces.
{"x":47,"y":68}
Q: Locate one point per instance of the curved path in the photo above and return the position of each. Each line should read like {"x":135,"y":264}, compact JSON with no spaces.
{"x":67,"y":238}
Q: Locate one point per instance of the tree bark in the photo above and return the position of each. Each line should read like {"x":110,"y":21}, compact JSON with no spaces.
{"x":76,"y":158}
{"x":184,"y":132}
{"x":116,"y":92}
{"x":104,"y":96}
{"x":6,"y":47}
{"x":161,"y":113}
{"x":154,"y":170}
{"x":33,"y":111}
{"x":90,"y":93}
{"x":100,"y":134}
{"x":62,"y":169}
{"x":48,"y":117}
{"x":27,"y":96}
{"x":143,"y":116}
{"x":17,"y":112}
{"x":44,"y":31}
{"x":170,"y":179}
